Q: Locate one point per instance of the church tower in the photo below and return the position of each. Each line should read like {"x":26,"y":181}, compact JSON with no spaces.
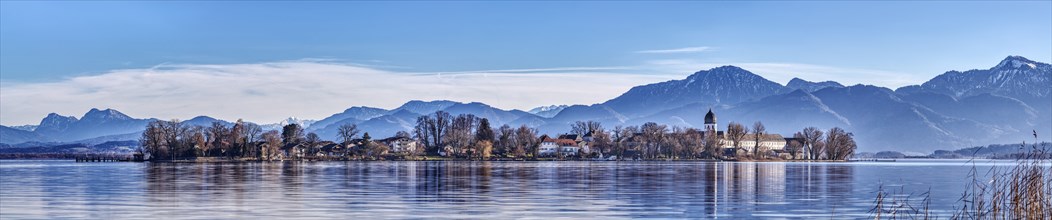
{"x":710,"y":121}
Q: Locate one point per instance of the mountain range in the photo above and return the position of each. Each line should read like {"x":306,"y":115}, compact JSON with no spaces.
{"x":1002,"y":104}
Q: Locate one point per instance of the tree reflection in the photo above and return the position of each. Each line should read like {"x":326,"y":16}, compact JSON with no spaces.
{"x":625,"y":189}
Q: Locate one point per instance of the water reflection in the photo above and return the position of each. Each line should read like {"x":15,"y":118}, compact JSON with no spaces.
{"x":437,"y":189}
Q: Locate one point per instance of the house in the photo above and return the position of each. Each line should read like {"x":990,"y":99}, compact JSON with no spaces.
{"x":356,"y":143}
{"x":567,"y":145}
{"x":400,"y":144}
{"x":332,"y":150}
{"x":294,"y":150}
{"x":583,"y":142}
{"x":784,"y":152}
{"x":573,"y":137}
{"x":548,"y":146}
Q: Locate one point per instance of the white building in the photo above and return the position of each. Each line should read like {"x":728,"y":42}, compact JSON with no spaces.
{"x":563,"y":145}
{"x":400,"y":144}
{"x":548,"y":147}
{"x":768,"y":142}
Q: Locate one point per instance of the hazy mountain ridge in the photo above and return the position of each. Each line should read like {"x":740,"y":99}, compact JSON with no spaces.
{"x":808,"y":86}
{"x":25,"y":127}
{"x":94,"y":123}
{"x":359,"y":113}
{"x":547,"y":111}
{"x":997,"y":105}
{"x":10,"y":135}
{"x":720,"y":85}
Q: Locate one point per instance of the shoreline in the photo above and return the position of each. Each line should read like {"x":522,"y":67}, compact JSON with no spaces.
{"x":213,"y":160}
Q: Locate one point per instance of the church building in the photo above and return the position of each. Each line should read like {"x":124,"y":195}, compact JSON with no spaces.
{"x":768,"y":142}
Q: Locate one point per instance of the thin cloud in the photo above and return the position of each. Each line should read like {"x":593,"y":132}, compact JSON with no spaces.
{"x":269,"y":92}
{"x":678,"y":50}
{"x":545,"y":70}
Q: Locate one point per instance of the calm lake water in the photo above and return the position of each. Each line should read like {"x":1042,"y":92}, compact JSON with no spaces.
{"x":493,"y":190}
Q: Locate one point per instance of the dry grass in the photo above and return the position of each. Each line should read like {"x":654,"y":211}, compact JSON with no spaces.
{"x":1021,"y":191}
{"x":897,"y":205}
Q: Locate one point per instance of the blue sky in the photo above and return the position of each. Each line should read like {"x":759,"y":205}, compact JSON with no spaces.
{"x":888,"y":44}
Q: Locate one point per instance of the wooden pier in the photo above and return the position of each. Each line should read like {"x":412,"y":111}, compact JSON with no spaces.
{"x":871,"y":160}
{"x":103,"y":159}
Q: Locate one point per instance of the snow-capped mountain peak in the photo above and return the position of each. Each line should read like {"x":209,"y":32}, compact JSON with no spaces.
{"x":547,"y":111}
{"x":96,"y":114}
{"x":294,"y":120}
{"x":547,"y":108}
{"x":1014,"y":76}
{"x":1016,"y":62}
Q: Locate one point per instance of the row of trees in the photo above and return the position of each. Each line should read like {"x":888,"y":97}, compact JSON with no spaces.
{"x":471,"y":137}
{"x":177,"y":140}
{"x":836,"y":144}
{"x":468,"y":136}
{"x":174,"y":139}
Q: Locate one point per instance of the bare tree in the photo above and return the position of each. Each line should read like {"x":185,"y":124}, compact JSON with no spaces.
{"x":376,"y":150}
{"x":202,"y":142}
{"x":153,"y":140}
{"x":432,"y":130}
{"x":585,"y":127}
{"x":796,"y":145}
{"x":460,"y":135}
{"x":237,"y":144}
{"x":820,"y":148}
{"x":439,"y":127}
{"x":758,"y":132}
{"x":711,"y":143}
{"x":504,"y":143}
{"x":424,"y":133}
{"x":312,"y":141}
{"x":252,"y":134}
{"x":218,"y":137}
{"x":736,"y":133}
{"x":693,"y":143}
{"x":526,"y":141}
{"x":272,"y":140}
{"x":347,"y":132}
{"x":654,"y":135}
{"x":602,"y":143}
{"x":169,"y":140}
{"x":628,"y":140}
{"x":813,"y":142}
{"x":839,"y":144}
{"x":177,"y":138}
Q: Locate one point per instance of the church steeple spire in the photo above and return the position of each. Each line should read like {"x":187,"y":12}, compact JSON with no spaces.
{"x":710,"y":121}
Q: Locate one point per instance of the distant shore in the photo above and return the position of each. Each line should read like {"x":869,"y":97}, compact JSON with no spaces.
{"x":130,"y":157}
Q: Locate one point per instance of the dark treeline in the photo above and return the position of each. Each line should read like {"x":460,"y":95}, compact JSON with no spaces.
{"x":175,"y":140}
{"x":467,"y":136}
